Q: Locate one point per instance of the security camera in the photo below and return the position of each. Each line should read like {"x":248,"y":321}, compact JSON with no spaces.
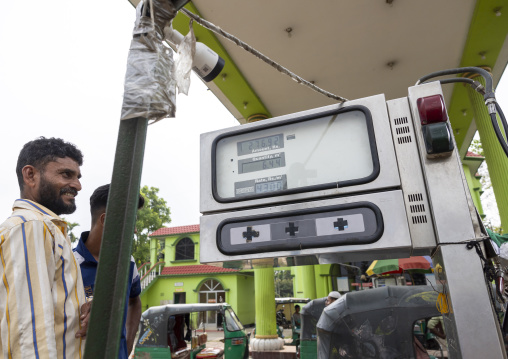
{"x":206,"y":63}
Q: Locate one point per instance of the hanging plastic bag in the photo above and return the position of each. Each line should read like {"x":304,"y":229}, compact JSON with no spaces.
{"x":149,"y":89}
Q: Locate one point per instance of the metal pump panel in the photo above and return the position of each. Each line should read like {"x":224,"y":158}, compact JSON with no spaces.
{"x":337,"y":183}
{"x":367,"y":179}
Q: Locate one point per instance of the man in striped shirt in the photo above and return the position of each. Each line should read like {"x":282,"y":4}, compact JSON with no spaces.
{"x":41,"y":290}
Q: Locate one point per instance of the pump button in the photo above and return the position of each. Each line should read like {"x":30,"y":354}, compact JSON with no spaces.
{"x":431,"y":109}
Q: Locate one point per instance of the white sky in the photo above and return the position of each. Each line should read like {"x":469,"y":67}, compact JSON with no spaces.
{"x":62,"y":67}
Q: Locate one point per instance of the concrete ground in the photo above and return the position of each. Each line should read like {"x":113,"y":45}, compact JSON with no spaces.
{"x":215,"y":337}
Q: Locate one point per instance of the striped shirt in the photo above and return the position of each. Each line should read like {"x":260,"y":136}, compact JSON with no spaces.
{"x":41,"y":290}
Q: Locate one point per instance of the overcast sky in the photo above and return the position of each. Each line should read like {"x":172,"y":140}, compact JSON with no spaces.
{"x":62,"y":67}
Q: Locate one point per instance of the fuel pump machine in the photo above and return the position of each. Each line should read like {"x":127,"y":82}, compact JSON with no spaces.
{"x":363,"y":180}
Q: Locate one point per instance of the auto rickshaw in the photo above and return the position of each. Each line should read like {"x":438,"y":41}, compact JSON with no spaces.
{"x":376,"y":323}
{"x":284,"y":308}
{"x":310,"y":314}
{"x":162,"y":334}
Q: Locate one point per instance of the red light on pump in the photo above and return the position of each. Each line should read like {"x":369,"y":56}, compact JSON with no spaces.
{"x":432,"y":109}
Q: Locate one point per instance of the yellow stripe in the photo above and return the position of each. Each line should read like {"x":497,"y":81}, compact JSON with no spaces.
{"x":6,"y":301}
{"x":46,"y":227}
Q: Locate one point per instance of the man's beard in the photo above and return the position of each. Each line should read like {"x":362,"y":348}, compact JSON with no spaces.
{"x":51,"y":198}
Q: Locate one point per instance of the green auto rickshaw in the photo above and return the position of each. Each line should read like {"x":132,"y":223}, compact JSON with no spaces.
{"x":284,"y":309}
{"x":164,"y":330}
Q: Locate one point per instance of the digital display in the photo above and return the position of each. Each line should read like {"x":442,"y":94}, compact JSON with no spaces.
{"x":261,"y":185}
{"x":260,"y":144}
{"x":336,"y":148}
{"x":269,"y":186}
{"x":261,"y":163}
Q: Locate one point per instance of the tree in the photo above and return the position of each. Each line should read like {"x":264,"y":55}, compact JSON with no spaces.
{"x":70,"y":227}
{"x":283,"y":283}
{"x":154,"y":215}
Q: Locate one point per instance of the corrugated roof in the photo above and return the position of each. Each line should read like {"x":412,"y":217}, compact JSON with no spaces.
{"x":166,"y":231}
{"x":195,"y":269}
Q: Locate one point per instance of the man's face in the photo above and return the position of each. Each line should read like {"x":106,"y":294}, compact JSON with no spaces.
{"x":58,"y":185}
{"x":329,"y":301}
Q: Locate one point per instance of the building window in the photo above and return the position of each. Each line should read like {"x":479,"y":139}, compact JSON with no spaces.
{"x":160,"y":250}
{"x":184,"y":250}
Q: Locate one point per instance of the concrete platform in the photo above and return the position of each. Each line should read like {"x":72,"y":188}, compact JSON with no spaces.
{"x":289,"y":352}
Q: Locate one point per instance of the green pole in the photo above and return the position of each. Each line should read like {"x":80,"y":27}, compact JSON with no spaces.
{"x":103,"y":337}
{"x":309,"y":282}
{"x":494,"y":156}
{"x":264,"y":291}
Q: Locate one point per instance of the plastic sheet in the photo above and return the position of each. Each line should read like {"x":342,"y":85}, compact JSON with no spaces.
{"x":374,"y":323}
{"x":186,"y":52}
{"x":149,"y":89}
{"x":310,"y":314}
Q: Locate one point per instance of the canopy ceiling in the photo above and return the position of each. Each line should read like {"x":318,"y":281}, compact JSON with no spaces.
{"x":350,"y":48}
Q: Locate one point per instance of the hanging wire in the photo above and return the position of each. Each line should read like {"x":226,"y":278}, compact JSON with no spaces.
{"x":208,"y":25}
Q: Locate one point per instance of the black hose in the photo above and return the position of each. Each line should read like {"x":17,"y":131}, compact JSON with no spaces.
{"x":485,"y":74}
{"x":499,"y":135}
{"x":474,"y":84}
{"x":456,"y":79}
{"x":503,"y":119}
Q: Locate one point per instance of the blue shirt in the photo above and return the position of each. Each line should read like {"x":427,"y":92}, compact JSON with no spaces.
{"x":88,"y":266}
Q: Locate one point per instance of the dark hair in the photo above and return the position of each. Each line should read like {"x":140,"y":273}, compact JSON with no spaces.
{"x":99,"y":200}
{"x":297,"y":306}
{"x":41,"y":151}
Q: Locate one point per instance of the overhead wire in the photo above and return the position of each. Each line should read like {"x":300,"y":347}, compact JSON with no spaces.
{"x":208,"y":25}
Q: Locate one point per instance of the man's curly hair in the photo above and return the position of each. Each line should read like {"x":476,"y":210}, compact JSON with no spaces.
{"x":41,"y":151}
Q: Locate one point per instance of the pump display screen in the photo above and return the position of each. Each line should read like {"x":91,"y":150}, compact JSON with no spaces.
{"x":269,"y":186}
{"x":261,"y":163}
{"x":260,"y":144}
{"x":330,"y":149}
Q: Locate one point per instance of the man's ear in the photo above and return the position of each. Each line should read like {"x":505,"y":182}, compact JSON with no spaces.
{"x":30,"y":176}
{"x":102,"y":218}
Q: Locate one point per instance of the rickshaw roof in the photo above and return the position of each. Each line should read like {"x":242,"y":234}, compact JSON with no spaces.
{"x":291,"y":300}
{"x":373,"y":303}
{"x":173,"y":309}
{"x":314,"y":308}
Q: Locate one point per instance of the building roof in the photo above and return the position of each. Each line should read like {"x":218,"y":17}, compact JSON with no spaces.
{"x":195,"y":269}
{"x":168,"y":231}
{"x":472,"y":154}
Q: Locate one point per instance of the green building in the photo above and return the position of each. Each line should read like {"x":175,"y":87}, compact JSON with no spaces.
{"x":174,"y":275}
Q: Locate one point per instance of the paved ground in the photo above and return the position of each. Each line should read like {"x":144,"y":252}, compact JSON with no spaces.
{"x":215,"y":337}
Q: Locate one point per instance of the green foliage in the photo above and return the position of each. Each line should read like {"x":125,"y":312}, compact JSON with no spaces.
{"x":476,"y":147}
{"x":154,"y":215}
{"x":283,"y":284}
{"x":70,"y":227}
{"x":496,"y":229}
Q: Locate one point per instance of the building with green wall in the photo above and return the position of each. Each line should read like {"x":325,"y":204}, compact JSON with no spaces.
{"x":175,"y":275}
